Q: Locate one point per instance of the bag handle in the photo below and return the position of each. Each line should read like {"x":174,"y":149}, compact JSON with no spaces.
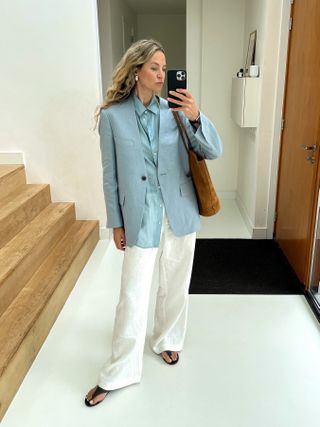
{"x":184,"y":134}
{"x":182,"y":130}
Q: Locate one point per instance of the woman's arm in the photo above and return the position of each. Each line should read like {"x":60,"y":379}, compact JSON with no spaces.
{"x":203,"y":135}
{"x":109,"y":167}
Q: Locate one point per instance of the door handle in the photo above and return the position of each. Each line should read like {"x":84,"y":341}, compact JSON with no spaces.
{"x":309,"y":147}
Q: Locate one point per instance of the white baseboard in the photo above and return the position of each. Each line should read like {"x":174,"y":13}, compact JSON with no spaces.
{"x":244,"y":214}
{"x":259,"y":233}
{"x":255,"y":232}
{"x":11,"y":158}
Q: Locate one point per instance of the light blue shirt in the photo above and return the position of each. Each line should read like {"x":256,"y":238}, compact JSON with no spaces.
{"x":148,"y":123}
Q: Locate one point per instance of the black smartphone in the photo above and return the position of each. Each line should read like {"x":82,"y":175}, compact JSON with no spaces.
{"x":176,"y":79}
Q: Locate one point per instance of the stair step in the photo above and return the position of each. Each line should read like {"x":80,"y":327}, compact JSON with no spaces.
{"x":11,"y":178}
{"x":23,"y":254}
{"x":20,"y":207}
{"x":27,"y":321}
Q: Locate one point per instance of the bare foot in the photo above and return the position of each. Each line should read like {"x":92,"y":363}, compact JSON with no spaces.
{"x":170,"y":357}
{"x":95,"y":396}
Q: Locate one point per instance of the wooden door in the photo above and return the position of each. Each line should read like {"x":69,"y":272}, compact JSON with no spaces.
{"x":298,"y":181}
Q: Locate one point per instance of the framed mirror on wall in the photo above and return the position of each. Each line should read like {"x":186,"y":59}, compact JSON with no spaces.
{"x":251,"y":52}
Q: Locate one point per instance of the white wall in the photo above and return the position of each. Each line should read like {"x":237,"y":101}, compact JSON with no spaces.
{"x":170,"y":31}
{"x":255,"y":13}
{"x":217,"y":40}
{"x":119,"y":8}
{"x":256,"y":171}
{"x":194,"y":47}
{"x":214,"y":54}
{"x":49,"y":85}
{"x":110,"y":16}
{"x":105,"y":39}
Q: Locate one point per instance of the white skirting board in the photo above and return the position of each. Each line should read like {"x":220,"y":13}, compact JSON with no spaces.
{"x":255,"y":232}
{"x":11,"y":158}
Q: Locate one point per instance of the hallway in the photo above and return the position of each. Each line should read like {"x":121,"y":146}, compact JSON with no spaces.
{"x":248,"y":360}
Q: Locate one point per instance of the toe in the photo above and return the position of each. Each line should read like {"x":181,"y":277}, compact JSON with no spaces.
{"x":166,"y":357}
{"x":98,"y":398}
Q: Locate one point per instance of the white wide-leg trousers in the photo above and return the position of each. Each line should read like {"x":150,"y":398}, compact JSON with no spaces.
{"x":174,"y":265}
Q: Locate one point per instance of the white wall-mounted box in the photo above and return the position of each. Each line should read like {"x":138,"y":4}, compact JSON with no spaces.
{"x":245,"y":101}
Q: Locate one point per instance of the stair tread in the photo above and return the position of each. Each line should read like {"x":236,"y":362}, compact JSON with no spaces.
{"x":20,"y":245}
{"x":17,"y":198}
{"x":8,"y":169}
{"x":21,"y":314}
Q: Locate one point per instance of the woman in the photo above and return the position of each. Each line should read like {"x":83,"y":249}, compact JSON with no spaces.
{"x":151,"y":207}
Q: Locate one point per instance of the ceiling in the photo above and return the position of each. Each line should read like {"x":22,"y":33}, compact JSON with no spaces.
{"x":161,"y":7}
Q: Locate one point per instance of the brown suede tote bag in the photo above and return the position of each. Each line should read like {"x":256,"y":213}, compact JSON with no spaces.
{"x":208,"y":201}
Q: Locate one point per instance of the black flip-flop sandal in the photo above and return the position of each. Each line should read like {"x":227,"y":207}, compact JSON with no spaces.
{"x":96,"y":393}
{"x":169,"y":353}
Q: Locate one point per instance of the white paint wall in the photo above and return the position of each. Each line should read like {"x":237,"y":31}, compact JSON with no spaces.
{"x":50,"y":86}
{"x":256,"y":170}
{"x":105,"y":39}
{"x":194,"y":47}
{"x":170,"y":31}
{"x":119,"y":8}
{"x":222,"y":45}
{"x":255,"y":12}
{"x":214,"y":54}
{"x":218,"y":34}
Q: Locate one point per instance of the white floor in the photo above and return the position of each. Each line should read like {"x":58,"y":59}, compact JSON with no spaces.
{"x":248,"y":360}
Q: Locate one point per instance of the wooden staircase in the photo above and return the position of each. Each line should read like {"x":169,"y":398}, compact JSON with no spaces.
{"x":43,"y":250}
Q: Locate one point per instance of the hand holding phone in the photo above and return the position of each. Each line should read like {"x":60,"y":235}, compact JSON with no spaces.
{"x":176,"y":79}
{"x":181,"y":99}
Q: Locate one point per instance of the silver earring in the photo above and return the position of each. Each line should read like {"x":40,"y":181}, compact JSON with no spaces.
{"x":136,"y":77}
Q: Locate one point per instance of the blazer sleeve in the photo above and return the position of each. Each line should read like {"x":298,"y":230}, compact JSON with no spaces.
{"x":205,"y":140}
{"x":109,"y":168}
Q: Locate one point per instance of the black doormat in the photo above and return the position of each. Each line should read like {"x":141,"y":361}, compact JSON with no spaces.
{"x":242,"y":266}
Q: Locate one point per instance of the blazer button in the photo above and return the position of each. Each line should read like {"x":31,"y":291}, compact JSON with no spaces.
{"x":143,"y":178}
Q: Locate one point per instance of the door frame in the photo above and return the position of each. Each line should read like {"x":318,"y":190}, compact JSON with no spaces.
{"x":276,"y":147}
{"x":276,"y":142}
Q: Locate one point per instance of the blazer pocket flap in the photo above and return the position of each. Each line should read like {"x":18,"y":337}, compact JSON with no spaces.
{"x":186,"y":188}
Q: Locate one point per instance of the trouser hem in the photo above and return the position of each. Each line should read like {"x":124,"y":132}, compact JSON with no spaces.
{"x":159,"y":350}
{"x":120,"y":384}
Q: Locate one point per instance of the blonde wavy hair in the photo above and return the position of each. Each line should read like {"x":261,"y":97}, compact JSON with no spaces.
{"x":123,"y":77}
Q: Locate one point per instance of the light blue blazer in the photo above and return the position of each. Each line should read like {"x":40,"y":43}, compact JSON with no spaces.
{"x":124,"y":170}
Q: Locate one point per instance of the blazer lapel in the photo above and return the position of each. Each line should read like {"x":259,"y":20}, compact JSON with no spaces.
{"x":167,"y":123}
{"x":129,"y":119}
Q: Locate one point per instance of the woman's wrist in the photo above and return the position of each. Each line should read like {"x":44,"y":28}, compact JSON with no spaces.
{"x":196,"y":120}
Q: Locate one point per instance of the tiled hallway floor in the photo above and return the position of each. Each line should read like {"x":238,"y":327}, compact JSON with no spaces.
{"x":248,"y":361}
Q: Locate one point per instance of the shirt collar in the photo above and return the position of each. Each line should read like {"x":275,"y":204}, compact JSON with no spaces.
{"x":140,"y":108}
